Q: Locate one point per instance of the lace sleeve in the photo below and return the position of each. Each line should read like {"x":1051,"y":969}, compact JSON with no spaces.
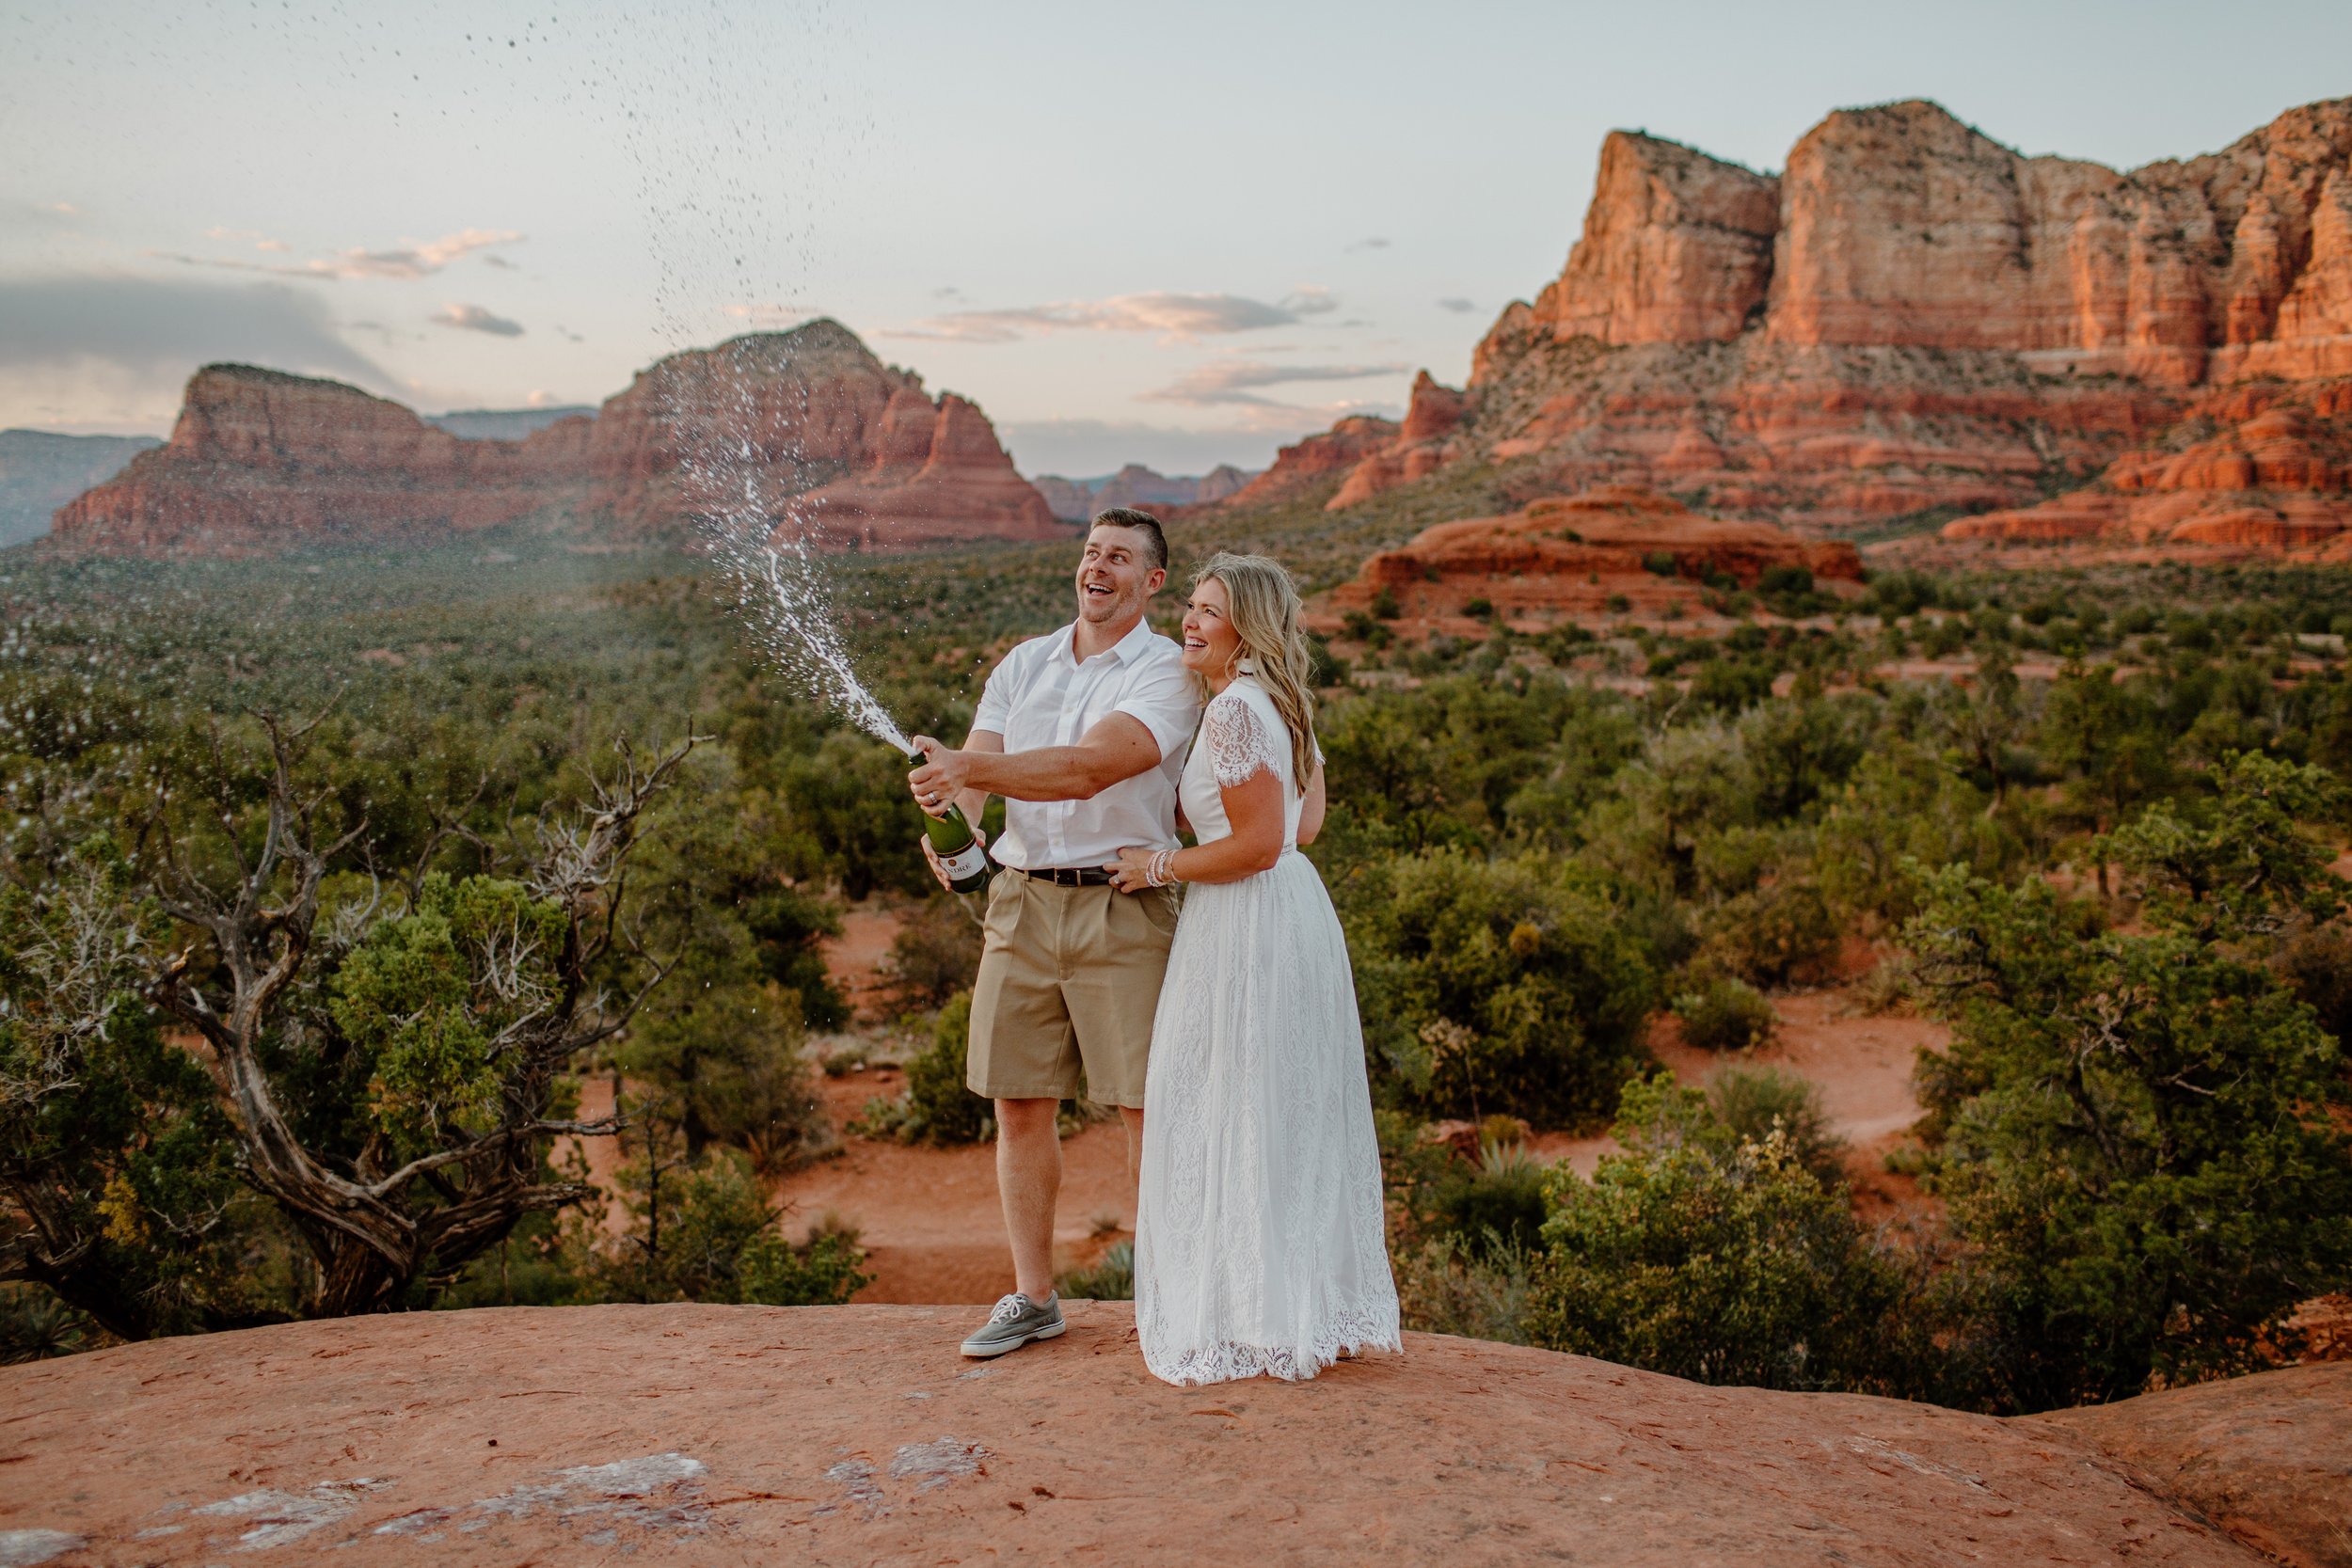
{"x":1239,"y":746}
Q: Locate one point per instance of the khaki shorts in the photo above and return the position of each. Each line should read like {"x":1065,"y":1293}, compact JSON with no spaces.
{"x":1069,"y":978}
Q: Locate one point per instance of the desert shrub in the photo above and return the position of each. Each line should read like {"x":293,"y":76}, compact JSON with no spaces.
{"x":1754,"y":1101}
{"x":1719,"y":1013}
{"x":1111,"y":1278}
{"x":1715,"y":1258}
{"x":1658,"y":563}
{"x":730,"y":1046}
{"x":114,"y":1154}
{"x":936,"y":1107}
{"x":1901,"y":805}
{"x":2140,"y":1132}
{"x":702,"y":1231}
{"x":822,"y":1270}
{"x":2316,"y":964}
{"x":1778,"y":933}
{"x":935,"y":954}
{"x":1784,"y":580}
{"x":1494,"y":1204}
{"x":788,"y":926}
{"x":35,"y":1324}
{"x":1445,"y":1286}
{"x":1506,"y":985}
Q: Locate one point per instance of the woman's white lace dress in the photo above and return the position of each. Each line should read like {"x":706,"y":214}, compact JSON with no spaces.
{"x":1259,"y":1239}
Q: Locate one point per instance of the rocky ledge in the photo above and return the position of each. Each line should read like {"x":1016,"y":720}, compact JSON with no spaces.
{"x":858,"y":1434}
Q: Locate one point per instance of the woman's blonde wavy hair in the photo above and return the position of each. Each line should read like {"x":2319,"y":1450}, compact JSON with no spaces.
{"x":1262,"y":607}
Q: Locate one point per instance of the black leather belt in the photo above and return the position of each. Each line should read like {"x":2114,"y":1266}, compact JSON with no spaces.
{"x":1063,"y":875}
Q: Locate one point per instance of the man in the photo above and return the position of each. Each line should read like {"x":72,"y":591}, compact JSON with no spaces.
{"x":1084,"y":732}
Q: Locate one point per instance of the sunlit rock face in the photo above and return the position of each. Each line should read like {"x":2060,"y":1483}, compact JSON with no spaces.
{"x":259,"y":460}
{"x":875,"y":461}
{"x":1910,"y":316}
{"x":838,"y":443}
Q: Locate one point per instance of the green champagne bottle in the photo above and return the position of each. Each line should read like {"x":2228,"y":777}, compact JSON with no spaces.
{"x":958,"y":849}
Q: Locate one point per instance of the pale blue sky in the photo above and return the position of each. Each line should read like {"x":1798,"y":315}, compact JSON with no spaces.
{"x":1177,"y":234}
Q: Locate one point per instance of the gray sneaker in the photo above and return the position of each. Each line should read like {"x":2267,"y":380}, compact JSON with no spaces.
{"x":1016,"y":1321}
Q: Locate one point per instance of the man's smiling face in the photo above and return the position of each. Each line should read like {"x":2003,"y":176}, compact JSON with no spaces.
{"x":1116,"y":575}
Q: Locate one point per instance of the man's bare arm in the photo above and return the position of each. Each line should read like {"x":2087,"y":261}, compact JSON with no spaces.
{"x":1117,"y":749}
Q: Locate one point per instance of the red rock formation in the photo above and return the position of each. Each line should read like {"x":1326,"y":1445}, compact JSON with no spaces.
{"x":1678,"y":248}
{"x":1422,"y":444}
{"x":790,"y":1434}
{"x":837,"y":443}
{"x":1576,"y":554}
{"x":1912,"y":316}
{"x":827,"y":436}
{"x":2264,"y":465}
{"x":1317,"y":460}
{"x":261,"y":460}
{"x":1078,"y":500}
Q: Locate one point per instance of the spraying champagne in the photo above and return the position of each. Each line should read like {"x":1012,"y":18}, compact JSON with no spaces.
{"x":959,"y":849}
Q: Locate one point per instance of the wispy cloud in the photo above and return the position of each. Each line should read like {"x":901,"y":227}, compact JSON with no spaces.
{"x":1225,"y":382}
{"x":406,"y":262}
{"x":1177,"y":317}
{"x":1375,"y":243}
{"x":473,"y":318}
{"x":154,"y":331}
{"x":1457,"y":305}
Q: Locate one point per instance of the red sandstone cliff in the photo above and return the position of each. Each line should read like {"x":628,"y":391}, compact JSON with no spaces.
{"x":259,"y":460}
{"x":848,"y":445}
{"x":831,"y":439}
{"x":1910,"y":316}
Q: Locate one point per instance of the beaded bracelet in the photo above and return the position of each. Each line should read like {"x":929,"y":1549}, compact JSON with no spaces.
{"x":1162,"y":868}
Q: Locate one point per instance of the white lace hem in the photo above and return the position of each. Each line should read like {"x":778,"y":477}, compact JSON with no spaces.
{"x":1350,"y":1334}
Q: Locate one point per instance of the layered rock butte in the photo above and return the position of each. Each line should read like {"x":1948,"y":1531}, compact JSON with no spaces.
{"x":688,"y":1434}
{"x":840,"y":445}
{"x":1912,"y":316}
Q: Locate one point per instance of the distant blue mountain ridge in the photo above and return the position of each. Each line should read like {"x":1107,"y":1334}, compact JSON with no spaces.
{"x":40,"y":471}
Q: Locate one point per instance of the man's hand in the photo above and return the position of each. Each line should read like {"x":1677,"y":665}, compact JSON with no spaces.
{"x":943,"y":775}
{"x":939,"y":870}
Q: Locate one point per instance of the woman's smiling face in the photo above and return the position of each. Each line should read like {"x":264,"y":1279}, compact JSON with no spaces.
{"x":1211,"y":644}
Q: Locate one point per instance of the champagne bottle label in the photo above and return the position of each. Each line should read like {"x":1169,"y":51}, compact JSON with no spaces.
{"x":972,"y":863}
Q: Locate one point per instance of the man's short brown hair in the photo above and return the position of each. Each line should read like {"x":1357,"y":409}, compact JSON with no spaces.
{"x":1142,"y":522}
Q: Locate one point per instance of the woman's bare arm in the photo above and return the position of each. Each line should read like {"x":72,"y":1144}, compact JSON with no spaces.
{"x":1310,"y":810}
{"x":1254,"y":810}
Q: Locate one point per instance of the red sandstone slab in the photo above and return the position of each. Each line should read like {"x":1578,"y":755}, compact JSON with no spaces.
{"x":857,"y":1434}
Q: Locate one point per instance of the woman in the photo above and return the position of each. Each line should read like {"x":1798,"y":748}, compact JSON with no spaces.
{"x":1258,"y":1238}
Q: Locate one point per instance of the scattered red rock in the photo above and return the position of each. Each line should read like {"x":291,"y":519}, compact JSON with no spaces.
{"x":1573,"y":554}
{"x":2266,"y":467}
{"x":846,"y":447}
{"x":838,"y":1435}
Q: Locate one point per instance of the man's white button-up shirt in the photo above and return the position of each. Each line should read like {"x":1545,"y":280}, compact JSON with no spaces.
{"x":1041,"y":694}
